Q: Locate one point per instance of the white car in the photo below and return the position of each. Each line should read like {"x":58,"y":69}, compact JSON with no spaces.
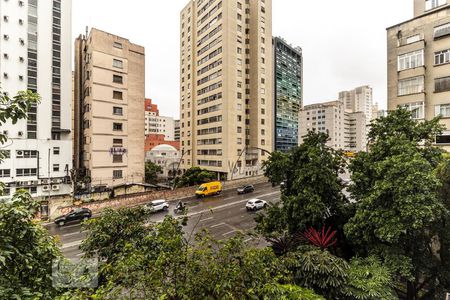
{"x":255,"y":204}
{"x":158,"y":205}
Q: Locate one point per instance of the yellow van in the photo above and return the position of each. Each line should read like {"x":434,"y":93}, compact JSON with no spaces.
{"x":208,"y":189}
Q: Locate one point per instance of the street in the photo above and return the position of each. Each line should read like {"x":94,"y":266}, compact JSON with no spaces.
{"x":224,"y":216}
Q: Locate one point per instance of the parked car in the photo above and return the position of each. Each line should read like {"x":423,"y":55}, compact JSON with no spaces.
{"x":158,"y":205}
{"x":255,"y":204}
{"x":245,"y":189}
{"x":79,"y":214}
{"x":208,"y":189}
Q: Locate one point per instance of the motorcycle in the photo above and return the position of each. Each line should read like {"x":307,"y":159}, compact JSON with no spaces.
{"x":179,"y":209}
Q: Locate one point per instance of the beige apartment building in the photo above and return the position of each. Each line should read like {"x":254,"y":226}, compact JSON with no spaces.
{"x":109,"y":119}
{"x":346,"y":129}
{"x":419,"y":64}
{"x":226,"y":86}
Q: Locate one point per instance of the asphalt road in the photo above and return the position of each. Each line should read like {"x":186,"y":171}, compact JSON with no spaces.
{"x":224,"y":216}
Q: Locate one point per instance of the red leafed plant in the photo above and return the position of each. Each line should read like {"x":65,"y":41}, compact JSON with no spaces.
{"x":323,"y":239}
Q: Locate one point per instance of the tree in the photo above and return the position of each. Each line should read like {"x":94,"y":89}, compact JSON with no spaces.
{"x":320,"y":271}
{"x":399,"y":212}
{"x":195,"y":176}
{"x":312,"y":193}
{"x":161,"y":261}
{"x":26,"y":251}
{"x":368,"y":279}
{"x":151,"y":172}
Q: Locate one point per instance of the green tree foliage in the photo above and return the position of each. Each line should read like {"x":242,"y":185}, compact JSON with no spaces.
{"x":26,"y":251}
{"x":289,"y":292}
{"x":312,"y":192}
{"x":151,"y":172}
{"x":160,"y":261}
{"x":320,"y":271}
{"x":368,"y":279}
{"x":399,"y":214}
{"x":195,"y":176}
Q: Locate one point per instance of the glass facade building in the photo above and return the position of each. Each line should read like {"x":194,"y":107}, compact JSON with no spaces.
{"x":288,"y":94}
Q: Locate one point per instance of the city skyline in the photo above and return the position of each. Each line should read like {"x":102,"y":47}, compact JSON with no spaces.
{"x":358,"y":53}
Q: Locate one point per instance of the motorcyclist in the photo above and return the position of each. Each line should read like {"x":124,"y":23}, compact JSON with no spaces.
{"x":180,"y":206}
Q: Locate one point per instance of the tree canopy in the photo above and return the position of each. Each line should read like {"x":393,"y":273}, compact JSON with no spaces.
{"x":195,"y":176}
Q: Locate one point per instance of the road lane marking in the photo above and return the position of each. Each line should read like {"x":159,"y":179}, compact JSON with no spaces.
{"x":80,"y":254}
{"x":72,"y":244}
{"x":206,"y":219}
{"x":230,"y":232}
{"x":217,"y":225}
{"x":220,"y":207}
{"x":74,"y":233}
{"x":70,"y":226}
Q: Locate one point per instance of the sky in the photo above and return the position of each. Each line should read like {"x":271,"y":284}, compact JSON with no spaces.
{"x":343,"y":42}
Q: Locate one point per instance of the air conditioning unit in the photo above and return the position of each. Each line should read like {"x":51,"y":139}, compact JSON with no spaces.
{"x":45,"y":181}
{"x":55,"y":181}
{"x":45,"y":188}
{"x":19,"y":153}
{"x":34,"y":182}
{"x":55,"y":187}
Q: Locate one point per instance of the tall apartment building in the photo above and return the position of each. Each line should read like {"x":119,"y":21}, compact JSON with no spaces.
{"x":109,"y":120}
{"x":226,"y":85}
{"x":156,"y":124}
{"x":359,"y":99}
{"x":418,"y":64}
{"x":288,"y":93}
{"x":35,"y":54}
{"x":346,"y":129}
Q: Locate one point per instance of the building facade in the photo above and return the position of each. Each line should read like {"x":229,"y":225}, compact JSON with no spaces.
{"x":288,"y":93}
{"x":109,"y":120}
{"x":167,"y":157}
{"x":346,"y":129}
{"x":226,"y":86}
{"x":35,"y":54}
{"x":359,"y":99}
{"x":156,"y":124}
{"x":418,"y":64}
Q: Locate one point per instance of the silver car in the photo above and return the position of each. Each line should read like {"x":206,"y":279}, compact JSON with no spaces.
{"x":158,"y":205}
{"x":255,"y":204}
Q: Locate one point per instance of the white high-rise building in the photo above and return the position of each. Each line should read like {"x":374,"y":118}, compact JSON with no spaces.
{"x":35,"y":54}
{"x":359,"y":99}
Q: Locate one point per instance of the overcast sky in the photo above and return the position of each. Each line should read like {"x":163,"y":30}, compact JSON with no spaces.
{"x":344,"y":42}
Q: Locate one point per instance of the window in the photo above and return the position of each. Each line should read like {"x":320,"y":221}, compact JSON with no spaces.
{"x":117,"y":111}
{"x":26,"y":172}
{"x":55,"y":168}
{"x":442,"y":110}
{"x":117,"y":45}
{"x":117,"y":158}
{"x":431,"y":4}
{"x":444,"y":138}
{"x":117,"y":63}
{"x":411,"y":86}
{"x":117,"y":126}
{"x":410,"y":60}
{"x":56,"y":150}
{"x":417,"y":109}
{"x":442,"y":30}
{"x":5,"y":173}
{"x":117,"y":79}
{"x":117,"y":142}
{"x":263,"y":121}
{"x":117,"y":95}
{"x":26,"y":154}
{"x":442,"y":84}
{"x":442,"y":57}
{"x":117,"y":174}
